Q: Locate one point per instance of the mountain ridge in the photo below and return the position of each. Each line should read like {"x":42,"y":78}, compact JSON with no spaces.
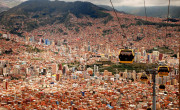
{"x":10,"y":3}
{"x":34,"y":13}
{"x":3,"y":8}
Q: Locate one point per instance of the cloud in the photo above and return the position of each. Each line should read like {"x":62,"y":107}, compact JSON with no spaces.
{"x":128,"y":2}
{"x":133,"y":2}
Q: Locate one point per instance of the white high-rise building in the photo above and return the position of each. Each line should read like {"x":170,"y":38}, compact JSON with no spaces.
{"x":135,"y":57}
{"x":4,"y":35}
{"x":156,"y":55}
{"x":134,"y":76}
{"x":138,"y":56}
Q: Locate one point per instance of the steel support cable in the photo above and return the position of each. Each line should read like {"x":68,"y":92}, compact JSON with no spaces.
{"x":167,"y":22}
{"x":145,"y":14}
{"x":124,"y":34}
{"x":145,"y":9}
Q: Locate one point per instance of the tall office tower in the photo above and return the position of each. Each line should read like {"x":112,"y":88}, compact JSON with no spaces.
{"x":81,"y":60}
{"x":59,"y":72}
{"x":43,"y":41}
{"x":125,"y":74}
{"x":134,"y":75}
{"x":95,"y":69}
{"x":174,"y":81}
{"x":145,"y":55}
{"x":54,"y":67}
{"x":178,"y":55}
{"x":4,"y":35}
{"x":149,"y":58}
{"x":117,"y":76}
{"x":9,"y":36}
{"x":143,"y":51}
{"x":150,"y":78}
{"x":135,"y":57}
{"x":32,"y":39}
{"x":129,"y":75}
{"x":57,"y":77}
{"x":138,"y":57}
{"x":90,"y":71}
{"x":1,"y":70}
{"x":176,"y":71}
{"x":1,"y":51}
{"x":40,"y":40}
{"x":89,"y":48}
{"x":106,"y":73}
{"x":64,"y":70}
{"x":160,"y":56}
{"x":166,"y":79}
{"x":4,"y":70}
{"x":47,"y":42}
{"x":52,"y":43}
{"x":5,"y":84}
{"x":73,"y":69}
{"x":107,"y":50}
{"x":156,"y":55}
{"x":159,"y":80}
{"x":27,"y":70}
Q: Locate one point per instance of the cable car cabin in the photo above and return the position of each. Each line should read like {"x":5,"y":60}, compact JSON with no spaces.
{"x":162,"y":87}
{"x":143,"y":78}
{"x":163,"y":71}
{"x":126,"y":56}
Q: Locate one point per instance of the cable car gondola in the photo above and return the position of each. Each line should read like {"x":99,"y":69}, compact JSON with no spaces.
{"x":149,"y":109}
{"x":126,"y":56}
{"x":163,"y":71}
{"x":143,"y":77}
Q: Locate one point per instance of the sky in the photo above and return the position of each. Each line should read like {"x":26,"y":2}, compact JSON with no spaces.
{"x":136,"y":3}
{"x":133,"y":2}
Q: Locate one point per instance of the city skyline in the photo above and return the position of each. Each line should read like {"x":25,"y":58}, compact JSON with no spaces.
{"x":78,"y":56}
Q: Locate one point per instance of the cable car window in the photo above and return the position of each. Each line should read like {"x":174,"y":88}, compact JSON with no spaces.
{"x":162,"y":87}
{"x":126,"y":55}
{"x":163,"y":69}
